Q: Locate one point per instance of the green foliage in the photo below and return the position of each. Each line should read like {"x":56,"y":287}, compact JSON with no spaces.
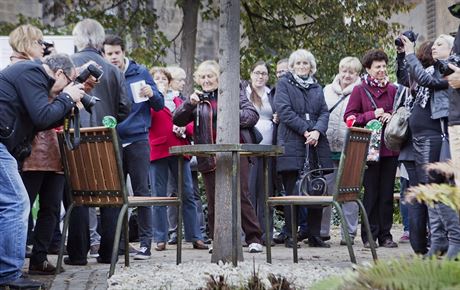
{"x":330,"y":29}
{"x":402,"y":273}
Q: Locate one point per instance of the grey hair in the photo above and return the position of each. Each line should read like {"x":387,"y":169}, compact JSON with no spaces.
{"x":302,"y":54}
{"x":59,"y":61}
{"x":88,"y":33}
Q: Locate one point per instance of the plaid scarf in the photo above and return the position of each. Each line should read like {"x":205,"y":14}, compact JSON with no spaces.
{"x":303,"y":83}
{"x":373,"y":82}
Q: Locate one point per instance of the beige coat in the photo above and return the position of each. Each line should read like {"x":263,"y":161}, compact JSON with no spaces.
{"x":336,"y":127}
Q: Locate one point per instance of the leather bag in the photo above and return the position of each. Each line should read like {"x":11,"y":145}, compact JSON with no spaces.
{"x":397,"y":128}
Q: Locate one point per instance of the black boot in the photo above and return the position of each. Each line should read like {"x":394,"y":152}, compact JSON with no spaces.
{"x":317,"y":242}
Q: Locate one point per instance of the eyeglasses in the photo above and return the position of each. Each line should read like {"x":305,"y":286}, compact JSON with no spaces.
{"x":67,"y":77}
{"x":260,"y":73}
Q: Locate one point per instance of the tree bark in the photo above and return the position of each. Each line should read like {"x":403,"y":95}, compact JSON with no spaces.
{"x":188,"y":42}
{"x":225,"y":248}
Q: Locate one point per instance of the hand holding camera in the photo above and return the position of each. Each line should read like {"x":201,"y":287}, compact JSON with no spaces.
{"x":194,"y":98}
{"x":454,"y":78}
{"x":75,"y":91}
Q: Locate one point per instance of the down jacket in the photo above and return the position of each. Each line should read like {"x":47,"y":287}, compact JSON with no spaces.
{"x":300,"y":110}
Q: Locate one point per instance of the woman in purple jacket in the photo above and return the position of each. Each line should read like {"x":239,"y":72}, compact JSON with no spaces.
{"x":379,"y":177}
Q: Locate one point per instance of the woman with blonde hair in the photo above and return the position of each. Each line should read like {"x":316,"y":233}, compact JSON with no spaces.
{"x":26,"y":42}
{"x":337,"y":95}
{"x":201,"y":108}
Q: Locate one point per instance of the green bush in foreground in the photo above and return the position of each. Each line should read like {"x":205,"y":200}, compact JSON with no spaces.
{"x":401,"y":274}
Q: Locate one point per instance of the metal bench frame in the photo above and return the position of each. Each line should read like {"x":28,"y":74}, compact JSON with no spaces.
{"x":95,"y":178}
{"x":348,"y":187}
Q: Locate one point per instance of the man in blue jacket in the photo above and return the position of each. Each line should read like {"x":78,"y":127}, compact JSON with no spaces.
{"x":133,"y":131}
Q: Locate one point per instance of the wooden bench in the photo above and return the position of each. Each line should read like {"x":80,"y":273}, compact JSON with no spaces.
{"x":95,"y":177}
{"x":348,"y":186}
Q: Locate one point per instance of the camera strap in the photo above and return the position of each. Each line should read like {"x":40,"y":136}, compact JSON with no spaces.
{"x":68,"y":120}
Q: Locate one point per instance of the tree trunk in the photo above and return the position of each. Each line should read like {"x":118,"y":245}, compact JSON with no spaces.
{"x":228,"y":218}
{"x":188,"y":42}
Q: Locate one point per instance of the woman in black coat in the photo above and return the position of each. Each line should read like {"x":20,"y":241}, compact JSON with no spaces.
{"x":303,"y":118}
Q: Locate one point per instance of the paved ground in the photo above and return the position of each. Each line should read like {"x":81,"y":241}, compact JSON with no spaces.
{"x":94,"y":275}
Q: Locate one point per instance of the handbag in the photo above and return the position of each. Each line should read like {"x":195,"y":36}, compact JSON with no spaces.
{"x":311,"y":181}
{"x":397,"y":128}
{"x":256,"y":135}
{"x":373,"y":154}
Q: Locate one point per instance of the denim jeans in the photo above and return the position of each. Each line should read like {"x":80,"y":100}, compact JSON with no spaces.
{"x":159,"y":174}
{"x":14,"y":213}
{"x":136,"y":165}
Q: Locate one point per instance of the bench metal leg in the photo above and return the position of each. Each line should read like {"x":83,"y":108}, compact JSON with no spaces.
{"x":368,"y":230}
{"x":116,"y":243}
{"x":294,"y":232}
{"x":63,"y":238}
{"x":180,"y":191}
{"x":267,"y":212}
{"x":126,"y":231}
{"x":345,"y":231}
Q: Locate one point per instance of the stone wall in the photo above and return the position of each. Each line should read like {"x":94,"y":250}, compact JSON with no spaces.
{"x":10,"y":8}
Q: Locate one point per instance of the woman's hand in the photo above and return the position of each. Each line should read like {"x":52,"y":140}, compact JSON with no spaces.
{"x":312,"y":137}
{"x":194,"y":99}
{"x":454,"y":79}
{"x":275,"y":119}
{"x":385,"y":118}
{"x":408,"y":45}
{"x":379,"y":113}
{"x":179,"y":131}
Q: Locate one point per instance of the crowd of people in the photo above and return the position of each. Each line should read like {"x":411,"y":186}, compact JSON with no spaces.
{"x":153,"y":114}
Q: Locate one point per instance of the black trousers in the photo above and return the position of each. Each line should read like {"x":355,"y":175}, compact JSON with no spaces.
{"x":418,"y":215}
{"x":50,"y":186}
{"x":379,"y":180}
{"x":78,"y":241}
{"x":314,"y":214}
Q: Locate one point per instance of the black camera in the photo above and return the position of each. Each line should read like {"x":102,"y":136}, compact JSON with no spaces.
{"x":412,"y":36}
{"x":87,"y":100}
{"x":48,"y":46}
{"x":204,"y":96}
{"x":444,"y":68}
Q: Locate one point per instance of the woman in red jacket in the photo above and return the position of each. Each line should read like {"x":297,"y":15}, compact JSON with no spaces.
{"x":371,"y":100}
{"x":162,"y":135}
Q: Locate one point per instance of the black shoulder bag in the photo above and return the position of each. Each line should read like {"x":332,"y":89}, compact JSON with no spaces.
{"x":311,"y":181}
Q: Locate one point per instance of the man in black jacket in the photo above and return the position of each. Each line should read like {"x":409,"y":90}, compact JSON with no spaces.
{"x":25,"y":110}
{"x":89,"y":36}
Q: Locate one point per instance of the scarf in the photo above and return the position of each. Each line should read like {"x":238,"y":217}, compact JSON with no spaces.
{"x":169,"y":101}
{"x":373,"y":82}
{"x":304,"y":83}
{"x":423,"y":93}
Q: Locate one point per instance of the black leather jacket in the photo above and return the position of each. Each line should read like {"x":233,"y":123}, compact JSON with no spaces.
{"x":412,"y":71}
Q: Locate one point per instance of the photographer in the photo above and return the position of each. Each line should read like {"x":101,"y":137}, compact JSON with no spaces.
{"x":428,"y":124}
{"x":454,"y":101}
{"x":454,"y":117}
{"x":25,"y":110}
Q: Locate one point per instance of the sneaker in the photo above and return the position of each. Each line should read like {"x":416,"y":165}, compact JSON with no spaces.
{"x":94,"y":251}
{"x":389,"y":244}
{"x":405,"y":237}
{"x":28,"y":251}
{"x":344,"y":243}
{"x":143,"y":254}
{"x":173,"y":239}
{"x":255,"y":248}
{"x":132,"y":251}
